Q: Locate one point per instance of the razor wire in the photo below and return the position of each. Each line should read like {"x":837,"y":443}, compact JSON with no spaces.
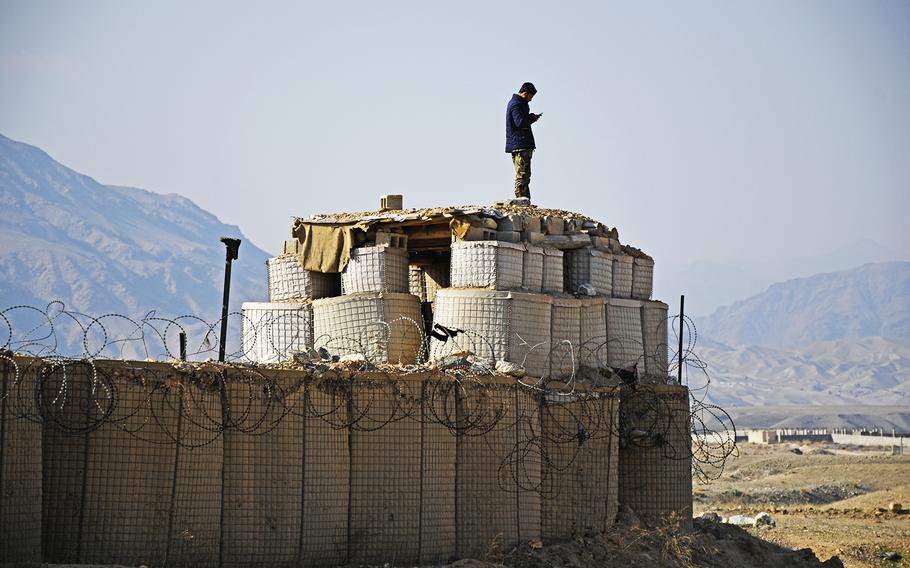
{"x":255,"y":402}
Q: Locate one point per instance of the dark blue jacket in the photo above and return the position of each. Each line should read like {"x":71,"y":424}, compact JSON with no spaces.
{"x":518,"y":125}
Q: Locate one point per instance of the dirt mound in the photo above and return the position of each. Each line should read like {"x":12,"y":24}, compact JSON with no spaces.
{"x":632,"y":546}
{"x":813,"y":495}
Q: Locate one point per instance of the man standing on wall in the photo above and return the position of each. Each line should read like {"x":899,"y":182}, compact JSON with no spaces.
{"x":519,"y":138}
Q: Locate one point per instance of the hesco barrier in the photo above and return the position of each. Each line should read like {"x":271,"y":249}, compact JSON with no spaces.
{"x":655,"y":459}
{"x":207,"y":465}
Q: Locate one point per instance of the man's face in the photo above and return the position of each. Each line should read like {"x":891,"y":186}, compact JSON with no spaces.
{"x":526,"y":95}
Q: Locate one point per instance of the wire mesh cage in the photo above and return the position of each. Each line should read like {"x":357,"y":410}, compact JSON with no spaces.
{"x":495,"y":326}
{"x":382,"y":327}
{"x":376,"y":269}
{"x":532,"y":268}
{"x":565,"y":333}
{"x":588,"y":266}
{"x":581,"y":449}
{"x":654,"y":337}
{"x":289,"y":281}
{"x":624,"y":342}
{"x":592,"y":336}
{"x":205,"y":464}
{"x":655,"y":456}
{"x":417,"y":285}
{"x":642,"y":278}
{"x":274,"y":331}
{"x":622,"y":276}
{"x":494,"y":265}
{"x":552,"y":270}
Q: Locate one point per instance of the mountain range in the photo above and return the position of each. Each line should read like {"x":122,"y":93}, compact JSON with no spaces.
{"x":102,"y":248}
{"x":838,"y":338}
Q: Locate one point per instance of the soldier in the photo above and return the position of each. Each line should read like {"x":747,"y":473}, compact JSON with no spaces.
{"x":519,"y":138}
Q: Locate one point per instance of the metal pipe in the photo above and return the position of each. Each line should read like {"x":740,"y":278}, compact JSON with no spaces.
{"x":182,"y":346}
{"x":231,"y":246}
{"x":682,"y":316}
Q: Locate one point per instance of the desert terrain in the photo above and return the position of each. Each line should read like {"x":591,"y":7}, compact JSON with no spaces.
{"x":834,"y":500}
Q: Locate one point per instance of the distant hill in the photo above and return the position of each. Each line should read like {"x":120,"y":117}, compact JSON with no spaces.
{"x":103,"y":249}
{"x":839,"y":416}
{"x":864,"y":371}
{"x":708,"y":285}
{"x":869,"y":301}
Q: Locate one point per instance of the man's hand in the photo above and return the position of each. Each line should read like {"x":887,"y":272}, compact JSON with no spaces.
{"x":536,"y":116}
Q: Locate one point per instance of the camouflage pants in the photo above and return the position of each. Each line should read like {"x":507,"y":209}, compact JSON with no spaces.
{"x":522,"y":161}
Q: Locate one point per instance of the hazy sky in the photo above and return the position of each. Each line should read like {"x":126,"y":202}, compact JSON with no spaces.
{"x":703,"y":130}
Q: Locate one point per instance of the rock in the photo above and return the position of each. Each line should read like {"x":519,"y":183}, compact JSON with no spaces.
{"x":521,"y":201}
{"x":600,"y":243}
{"x":554,"y":225}
{"x":511,"y":223}
{"x":511,"y":369}
{"x":890,"y":555}
{"x":587,"y":290}
{"x":895,"y":507}
{"x":535,"y":238}
{"x":536,"y":544}
{"x":710,"y":516}
{"x":352,"y":358}
{"x":452,"y":361}
{"x":508,"y":236}
{"x":480,"y":369}
{"x":638,"y":434}
{"x":762,"y":520}
{"x":740,"y":521}
{"x":796,"y":451}
{"x":567,"y":242}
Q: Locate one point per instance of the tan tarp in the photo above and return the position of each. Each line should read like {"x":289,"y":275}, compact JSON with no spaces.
{"x":459,"y":228}
{"x":324,"y":248}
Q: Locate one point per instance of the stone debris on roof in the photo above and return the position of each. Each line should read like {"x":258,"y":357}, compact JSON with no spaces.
{"x":476,"y":272}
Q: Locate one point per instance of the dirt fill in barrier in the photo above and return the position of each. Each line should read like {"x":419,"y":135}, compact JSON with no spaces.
{"x":655,"y":458}
{"x":385,"y":471}
{"x":20,"y":465}
{"x":263,"y":454}
{"x":195,"y":525}
{"x":437,"y":466}
{"x":497,"y":469}
{"x":326,"y":470}
{"x":108,"y":465}
{"x":581,"y":450}
{"x":523,"y":466}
